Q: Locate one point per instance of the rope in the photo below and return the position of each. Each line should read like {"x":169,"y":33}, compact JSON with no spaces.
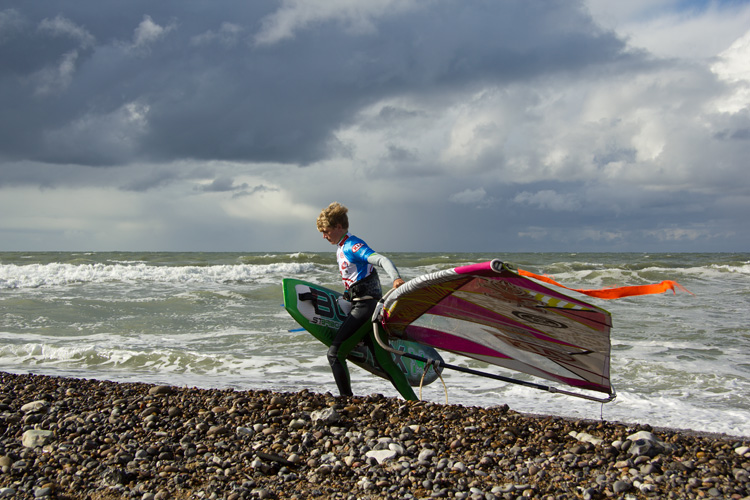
{"x":431,"y":363}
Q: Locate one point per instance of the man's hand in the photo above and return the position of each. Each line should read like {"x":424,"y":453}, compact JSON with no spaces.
{"x":398,"y":283}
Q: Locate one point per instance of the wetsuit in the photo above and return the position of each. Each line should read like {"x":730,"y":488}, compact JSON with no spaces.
{"x":356,"y":263}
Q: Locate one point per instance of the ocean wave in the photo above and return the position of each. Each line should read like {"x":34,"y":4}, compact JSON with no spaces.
{"x":743,"y":268}
{"x":602,"y":275}
{"x":95,"y":356}
{"x":101,"y":356}
{"x":14,"y":276}
{"x":295,"y":257}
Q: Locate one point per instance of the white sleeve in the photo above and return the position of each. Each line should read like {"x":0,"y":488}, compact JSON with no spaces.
{"x":385,"y":263}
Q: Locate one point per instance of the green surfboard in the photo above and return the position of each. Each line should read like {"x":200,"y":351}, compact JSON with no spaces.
{"x":316,"y":309}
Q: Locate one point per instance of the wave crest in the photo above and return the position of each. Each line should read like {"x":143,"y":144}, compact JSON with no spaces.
{"x":13,"y":276}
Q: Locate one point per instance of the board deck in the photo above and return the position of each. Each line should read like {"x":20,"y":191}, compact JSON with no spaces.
{"x":323,"y":316}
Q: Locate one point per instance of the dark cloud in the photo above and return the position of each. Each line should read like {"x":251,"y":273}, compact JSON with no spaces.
{"x":221,"y":185}
{"x":515,"y":125}
{"x":89,"y":84}
{"x":141,"y":181}
{"x":246,"y":190}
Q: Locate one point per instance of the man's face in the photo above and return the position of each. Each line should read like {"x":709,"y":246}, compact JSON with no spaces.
{"x":334,"y":234}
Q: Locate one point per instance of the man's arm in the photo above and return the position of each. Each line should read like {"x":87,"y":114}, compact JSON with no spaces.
{"x":385,"y":263}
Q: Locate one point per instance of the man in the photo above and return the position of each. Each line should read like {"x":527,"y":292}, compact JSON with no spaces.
{"x":356,"y":262}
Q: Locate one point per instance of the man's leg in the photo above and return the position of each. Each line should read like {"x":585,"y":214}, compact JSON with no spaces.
{"x":348,"y":336}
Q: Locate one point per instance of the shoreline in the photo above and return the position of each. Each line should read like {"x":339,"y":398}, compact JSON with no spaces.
{"x":69,"y":438}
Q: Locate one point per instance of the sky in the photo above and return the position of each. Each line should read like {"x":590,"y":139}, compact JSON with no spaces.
{"x":444,"y":125}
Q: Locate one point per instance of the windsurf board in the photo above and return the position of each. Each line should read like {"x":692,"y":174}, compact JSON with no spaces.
{"x":316,"y":308}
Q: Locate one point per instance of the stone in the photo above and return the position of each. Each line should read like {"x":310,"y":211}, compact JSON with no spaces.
{"x":326,"y":416}
{"x":160,"y":390}
{"x":741,"y":475}
{"x":621,"y":487}
{"x":646,"y":444}
{"x":377,"y":413}
{"x":381,"y":455}
{"x":586,"y":437}
{"x":34,"y":407}
{"x":43,"y":492}
{"x":217,"y":430}
{"x":161,"y":446}
{"x":648,"y":469}
{"x":34,"y":438}
{"x":397,"y":448}
{"x":297,"y":423}
{"x":647,"y":488}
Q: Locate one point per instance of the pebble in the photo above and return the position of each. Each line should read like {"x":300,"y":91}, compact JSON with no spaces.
{"x":129,"y":440}
{"x":621,"y":486}
{"x":381,"y":455}
{"x":426,"y":455}
{"x":34,"y":438}
{"x":585,"y":437}
{"x":34,"y":406}
{"x":42,"y":492}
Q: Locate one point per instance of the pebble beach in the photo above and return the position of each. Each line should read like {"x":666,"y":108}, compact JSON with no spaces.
{"x":68,"y":438}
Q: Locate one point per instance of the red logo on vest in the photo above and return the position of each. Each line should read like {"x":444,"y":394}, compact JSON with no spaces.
{"x":356,"y":247}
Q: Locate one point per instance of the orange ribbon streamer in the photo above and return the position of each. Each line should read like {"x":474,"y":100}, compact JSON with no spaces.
{"x":616,"y":292}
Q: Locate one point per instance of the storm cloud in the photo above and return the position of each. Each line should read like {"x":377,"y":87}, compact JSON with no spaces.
{"x":550,"y":125}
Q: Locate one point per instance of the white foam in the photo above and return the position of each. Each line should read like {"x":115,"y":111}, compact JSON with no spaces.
{"x":56,"y":274}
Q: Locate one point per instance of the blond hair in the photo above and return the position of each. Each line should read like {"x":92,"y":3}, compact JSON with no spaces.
{"x":333,"y":215}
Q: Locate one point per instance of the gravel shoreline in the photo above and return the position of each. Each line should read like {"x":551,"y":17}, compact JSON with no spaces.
{"x":65,"y":438}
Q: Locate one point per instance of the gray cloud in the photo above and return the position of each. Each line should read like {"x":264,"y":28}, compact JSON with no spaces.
{"x":203,"y":94}
{"x":528,"y":125}
{"x":221,"y":185}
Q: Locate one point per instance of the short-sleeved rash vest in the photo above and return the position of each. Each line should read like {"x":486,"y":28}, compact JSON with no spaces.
{"x":351,"y":255}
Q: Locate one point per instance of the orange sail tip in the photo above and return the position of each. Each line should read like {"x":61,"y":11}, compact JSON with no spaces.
{"x":617,"y":292}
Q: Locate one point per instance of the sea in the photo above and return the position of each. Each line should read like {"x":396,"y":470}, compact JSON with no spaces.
{"x":216,"y":320}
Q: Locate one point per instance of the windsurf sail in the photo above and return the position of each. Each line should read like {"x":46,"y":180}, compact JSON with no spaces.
{"x":490,"y":313}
